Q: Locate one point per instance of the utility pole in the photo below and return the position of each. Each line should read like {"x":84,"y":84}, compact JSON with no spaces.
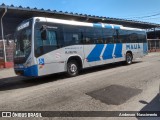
{"x":4,"y":48}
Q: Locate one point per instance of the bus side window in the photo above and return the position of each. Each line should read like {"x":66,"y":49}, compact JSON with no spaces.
{"x":98,"y":35}
{"x":122,"y":36}
{"x":87,"y":40}
{"x":71,"y":38}
{"x":51,"y":38}
{"x":75,"y":38}
{"x":72,"y":35}
{"x":118,"y":37}
{"x":108,"y":36}
{"x":88,"y":35}
{"x":44,"y":46}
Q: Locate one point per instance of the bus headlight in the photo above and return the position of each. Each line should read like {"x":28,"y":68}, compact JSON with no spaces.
{"x":21,"y":66}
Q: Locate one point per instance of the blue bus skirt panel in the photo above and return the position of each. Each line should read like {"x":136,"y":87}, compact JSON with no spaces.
{"x":31,"y":71}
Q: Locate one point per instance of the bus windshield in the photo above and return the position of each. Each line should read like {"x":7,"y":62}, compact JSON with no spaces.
{"x":23,"y":40}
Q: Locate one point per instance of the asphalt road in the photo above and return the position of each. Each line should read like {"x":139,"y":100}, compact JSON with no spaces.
{"x":59,"y":93}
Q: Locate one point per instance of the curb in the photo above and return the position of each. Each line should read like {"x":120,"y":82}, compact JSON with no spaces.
{"x":153,"y":54}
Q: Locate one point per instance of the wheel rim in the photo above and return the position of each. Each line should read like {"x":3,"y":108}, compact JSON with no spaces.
{"x":73,"y":68}
{"x":129,"y":59}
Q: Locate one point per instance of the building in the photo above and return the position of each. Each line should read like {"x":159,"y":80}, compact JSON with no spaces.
{"x":154,"y":41}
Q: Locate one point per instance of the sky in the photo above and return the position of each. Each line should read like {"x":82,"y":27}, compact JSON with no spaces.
{"x":140,"y":10}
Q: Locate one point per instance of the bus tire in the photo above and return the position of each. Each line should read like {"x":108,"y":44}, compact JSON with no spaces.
{"x":72,"y":68}
{"x":129,"y":58}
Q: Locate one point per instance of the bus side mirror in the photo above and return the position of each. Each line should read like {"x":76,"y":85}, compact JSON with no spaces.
{"x":43,"y":33}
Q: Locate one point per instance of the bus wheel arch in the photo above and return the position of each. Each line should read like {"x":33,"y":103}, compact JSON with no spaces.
{"x":129,"y":57}
{"x":73,"y":66}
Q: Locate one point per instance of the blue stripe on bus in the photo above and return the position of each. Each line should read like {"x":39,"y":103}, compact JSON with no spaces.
{"x":97,"y":25}
{"x":117,"y":27}
{"x":108,"y":26}
{"x":118,"y":50}
{"x":108,"y":52}
{"x":95,"y":53}
{"x":31,"y":71}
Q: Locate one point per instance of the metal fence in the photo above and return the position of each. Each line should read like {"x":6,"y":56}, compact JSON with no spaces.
{"x":154,"y":45}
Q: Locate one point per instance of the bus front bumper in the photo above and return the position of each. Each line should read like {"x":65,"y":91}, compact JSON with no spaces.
{"x":27,"y":71}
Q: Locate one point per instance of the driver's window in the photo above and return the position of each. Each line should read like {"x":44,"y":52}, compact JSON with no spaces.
{"x":51,"y":38}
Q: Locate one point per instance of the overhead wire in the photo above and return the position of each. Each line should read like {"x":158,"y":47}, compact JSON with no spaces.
{"x":148,"y":16}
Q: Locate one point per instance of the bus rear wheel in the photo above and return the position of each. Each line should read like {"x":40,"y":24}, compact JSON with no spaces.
{"x":129,"y":58}
{"x":72,"y":68}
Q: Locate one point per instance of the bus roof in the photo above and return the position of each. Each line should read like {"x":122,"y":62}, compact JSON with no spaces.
{"x":77,"y":23}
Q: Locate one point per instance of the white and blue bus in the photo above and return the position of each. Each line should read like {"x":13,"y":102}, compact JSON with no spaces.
{"x":46,"y":46}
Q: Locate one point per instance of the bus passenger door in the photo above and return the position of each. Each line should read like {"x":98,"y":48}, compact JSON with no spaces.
{"x":91,"y":54}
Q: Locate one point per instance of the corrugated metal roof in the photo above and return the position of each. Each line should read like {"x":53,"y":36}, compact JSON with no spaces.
{"x":92,"y":18}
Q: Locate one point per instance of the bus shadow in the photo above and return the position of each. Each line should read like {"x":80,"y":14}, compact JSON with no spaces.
{"x":18,"y":82}
{"x":105,"y":67}
{"x":151,"y":107}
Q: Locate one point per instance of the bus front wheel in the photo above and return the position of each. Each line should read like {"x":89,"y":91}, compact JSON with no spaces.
{"x":72,"y":68}
{"x":129,"y":58}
